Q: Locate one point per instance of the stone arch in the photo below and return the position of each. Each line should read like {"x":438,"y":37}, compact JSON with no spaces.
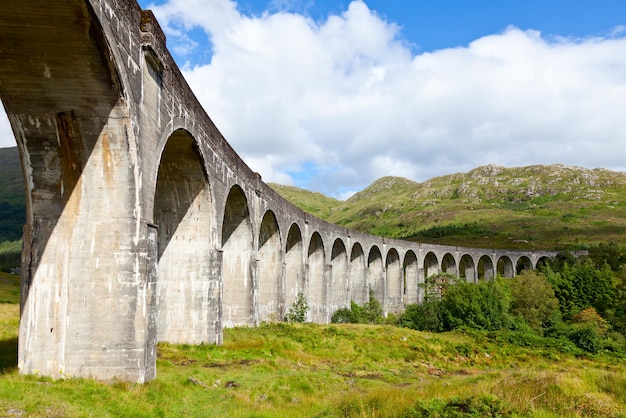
{"x":359,"y":291}
{"x":505,"y":268}
{"x":393,"y":301}
{"x":317,"y":283}
{"x":375,"y":273}
{"x":270,"y":267}
{"x":523,"y":263}
{"x":485,"y":268}
{"x":448,"y":264}
{"x":294,"y":267}
{"x":339,"y":273}
{"x":431,"y":265}
{"x":411,"y":278}
{"x":467,"y":269}
{"x":542,"y":261}
{"x":237,"y":245}
{"x":184,"y":214}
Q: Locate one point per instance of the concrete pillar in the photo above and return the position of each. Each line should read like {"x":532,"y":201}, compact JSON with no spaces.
{"x":87,"y":299}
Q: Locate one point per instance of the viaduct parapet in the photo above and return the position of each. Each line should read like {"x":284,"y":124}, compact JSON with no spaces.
{"x":144,"y":225}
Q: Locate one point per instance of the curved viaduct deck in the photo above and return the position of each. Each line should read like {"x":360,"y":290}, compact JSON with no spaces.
{"x":143,"y":225}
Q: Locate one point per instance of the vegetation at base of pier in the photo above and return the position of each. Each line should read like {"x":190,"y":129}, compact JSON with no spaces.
{"x":568,"y":303}
{"x":298,"y":311}
{"x":353,"y":370}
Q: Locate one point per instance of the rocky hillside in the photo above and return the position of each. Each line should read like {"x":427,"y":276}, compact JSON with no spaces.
{"x":548,"y":207}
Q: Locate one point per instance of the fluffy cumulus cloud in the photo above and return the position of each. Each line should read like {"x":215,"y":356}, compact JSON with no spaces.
{"x":332,"y":105}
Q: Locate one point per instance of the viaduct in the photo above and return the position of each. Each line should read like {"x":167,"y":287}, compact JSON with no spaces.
{"x":144,"y":225}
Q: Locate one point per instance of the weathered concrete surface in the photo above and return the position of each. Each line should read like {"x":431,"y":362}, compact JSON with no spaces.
{"x":144,"y":225}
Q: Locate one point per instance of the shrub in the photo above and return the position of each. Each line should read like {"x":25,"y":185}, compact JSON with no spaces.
{"x":480,"y":306}
{"x":586,"y":337}
{"x":533,"y":300}
{"x":298,"y":311}
{"x":424,"y":317}
{"x":590,"y":317}
{"x":370,"y":313}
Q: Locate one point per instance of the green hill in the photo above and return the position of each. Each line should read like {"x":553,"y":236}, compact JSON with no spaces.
{"x":12,"y":201}
{"x":312,"y":202}
{"x":542,"y":207}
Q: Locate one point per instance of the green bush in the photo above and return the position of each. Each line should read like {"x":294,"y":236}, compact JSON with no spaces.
{"x":480,"y":306}
{"x":370,"y":313}
{"x":586,"y":337}
{"x":477,"y":306}
{"x":423,"y":317}
{"x":533,"y":300}
{"x":298,"y":311}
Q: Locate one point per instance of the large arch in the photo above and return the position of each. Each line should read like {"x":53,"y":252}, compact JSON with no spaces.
{"x":523,"y":263}
{"x":448,"y":264}
{"x":269,"y":265}
{"x":375,"y":273}
{"x":485,"y":268}
{"x":542,"y":262}
{"x":339,"y":272}
{"x":184,"y":215}
{"x":317,"y":283}
{"x":505,"y":268}
{"x":467,"y":269}
{"x":294,"y":268}
{"x":237,"y":282}
{"x":393,"y":302}
{"x":431,"y":265}
{"x":411,"y":278}
{"x":359,"y":291}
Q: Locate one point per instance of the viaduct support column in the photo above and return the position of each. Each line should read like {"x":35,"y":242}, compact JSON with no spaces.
{"x":89,"y":259}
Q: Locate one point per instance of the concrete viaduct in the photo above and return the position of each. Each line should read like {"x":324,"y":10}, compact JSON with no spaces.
{"x":144,"y":225}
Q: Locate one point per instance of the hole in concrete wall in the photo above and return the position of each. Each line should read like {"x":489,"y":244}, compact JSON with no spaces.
{"x":431,"y":265}
{"x":339,"y":282}
{"x":504,"y":267}
{"x":318,"y":286}
{"x":184,"y":215}
{"x":448,"y":264}
{"x":485,"y":268}
{"x":394,"y":282}
{"x":523,"y":263}
{"x":411,"y":278}
{"x":375,"y":272}
{"x":467,"y":269}
{"x":294,"y":266}
{"x":359,"y":291}
{"x":271,"y":297}
{"x":238,"y":291}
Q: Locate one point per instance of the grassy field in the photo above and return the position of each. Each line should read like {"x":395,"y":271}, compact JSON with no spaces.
{"x":307,"y":370}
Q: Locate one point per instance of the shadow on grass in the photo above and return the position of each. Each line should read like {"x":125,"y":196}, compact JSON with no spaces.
{"x":8,"y":355}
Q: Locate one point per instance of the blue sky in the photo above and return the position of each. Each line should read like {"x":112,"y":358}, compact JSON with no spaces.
{"x":331,"y":95}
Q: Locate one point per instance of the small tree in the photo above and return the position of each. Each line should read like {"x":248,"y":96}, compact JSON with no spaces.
{"x":298,"y":311}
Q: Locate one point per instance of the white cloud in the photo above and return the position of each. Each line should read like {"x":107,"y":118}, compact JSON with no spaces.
{"x":347,"y":100}
{"x":348,"y":96}
{"x":6,"y":134}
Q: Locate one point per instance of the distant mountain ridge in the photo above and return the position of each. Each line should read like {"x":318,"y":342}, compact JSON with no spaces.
{"x":539,"y":206}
